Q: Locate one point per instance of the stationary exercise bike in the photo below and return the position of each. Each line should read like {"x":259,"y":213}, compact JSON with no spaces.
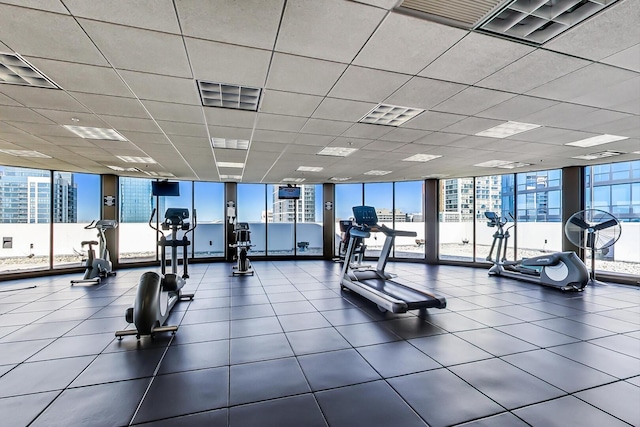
{"x":97,"y":268}
{"x":563,"y":270}
{"x":157,"y":294}
{"x":242,"y":246}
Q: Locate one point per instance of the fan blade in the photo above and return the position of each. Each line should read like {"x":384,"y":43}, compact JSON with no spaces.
{"x":605,"y":224}
{"x":579,"y":222}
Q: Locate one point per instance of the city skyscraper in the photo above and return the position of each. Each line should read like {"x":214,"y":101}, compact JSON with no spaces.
{"x":284,"y":210}
{"x":136,"y":202}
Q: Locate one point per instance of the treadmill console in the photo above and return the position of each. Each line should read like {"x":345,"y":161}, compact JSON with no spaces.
{"x":365,"y":215}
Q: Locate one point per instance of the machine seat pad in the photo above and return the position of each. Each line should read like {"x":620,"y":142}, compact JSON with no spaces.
{"x":89,"y":242}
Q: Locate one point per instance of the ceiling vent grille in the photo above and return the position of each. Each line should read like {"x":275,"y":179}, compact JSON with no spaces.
{"x":537,"y":21}
{"x":225,"y":95}
{"x":464,"y":13}
{"x":16,"y":70}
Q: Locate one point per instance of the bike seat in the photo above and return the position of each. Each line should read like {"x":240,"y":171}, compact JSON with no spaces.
{"x":541,"y":261}
{"x":89,"y":242}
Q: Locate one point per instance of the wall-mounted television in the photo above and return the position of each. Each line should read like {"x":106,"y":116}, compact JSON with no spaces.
{"x":288,"y":192}
{"x":165,"y":188}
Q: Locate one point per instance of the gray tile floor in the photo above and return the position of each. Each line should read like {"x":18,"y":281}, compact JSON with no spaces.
{"x":287,"y":348}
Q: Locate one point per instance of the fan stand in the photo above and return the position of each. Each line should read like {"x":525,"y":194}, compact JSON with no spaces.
{"x":592,"y":280}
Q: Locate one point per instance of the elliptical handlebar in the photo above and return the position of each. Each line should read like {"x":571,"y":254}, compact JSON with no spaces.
{"x":91,"y":225}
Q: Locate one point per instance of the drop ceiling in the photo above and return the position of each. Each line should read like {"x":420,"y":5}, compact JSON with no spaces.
{"x":316,"y":69}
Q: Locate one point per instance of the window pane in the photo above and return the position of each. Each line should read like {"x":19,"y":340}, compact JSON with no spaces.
{"x":210,"y":206}
{"x":347,"y":196}
{"x":25,"y":215}
{"x":281,"y":214}
{"x":456,"y":219}
{"x":409,"y":197}
{"x":251,"y":209}
{"x":309,"y":222}
{"x":136,"y":240}
{"x":380,"y":196}
{"x":76,"y":202}
{"x":182,"y":201}
{"x":493,"y":194}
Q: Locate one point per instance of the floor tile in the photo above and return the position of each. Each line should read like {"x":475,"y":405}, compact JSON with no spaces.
{"x":384,"y":407}
{"x":443,"y":399}
{"x":346,"y":316}
{"x":366,"y":334}
{"x":536,"y":335}
{"x":316,"y":340}
{"x":252,"y":382}
{"x":620,"y":398}
{"x":505,"y":419}
{"x":215,"y":418}
{"x":495,"y":342}
{"x":119,"y":366}
{"x":490,"y":317}
{"x":293,"y":411}
{"x":453,"y":322}
{"x":18,"y":352}
{"x":209,"y":354}
{"x":397,"y":358}
{"x":503,"y":383}
{"x":336,"y":369}
{"x":302,"y":321}
{"x":72,"y":346}
{"x":600,"y":358}
{"x":252,"y":327}
{"x":566,"y":411}
{"x":102,"y":404}
{"x":573,"y":329}
{"x":21,"y":410}
{"x":200,"y":332}
{"x":620,"y":343}
{"x":262,"y":347}
{"x":168,"y":396}
{"x":411,"y":327}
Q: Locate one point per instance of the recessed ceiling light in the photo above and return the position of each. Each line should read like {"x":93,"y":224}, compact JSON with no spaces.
{"x":377,"y":172}
{"x":161,"y":174}
{"x":95,"y":133}
{"x":226,"y":95}
{"x":16,"y":70}
{"x":421,"y":158}
{"x":25,"y":153}
{"x":336,"y":151}
{"x":309,"y":169}
{"x":134,"y":159}
{"x":435,"y":176}
{"x":507,"y":129}
{"x":121,"y":169}
{"x":502,"y":164}
{"x":339,"y":179}
{"x":230,"y":165}
{"x":233,"y":144}
{"x":293,"y":179}
{"x":230,"y":176}
{"x":600,"y":155}
{"x":596,"y":140}
{"x":390,"y":115}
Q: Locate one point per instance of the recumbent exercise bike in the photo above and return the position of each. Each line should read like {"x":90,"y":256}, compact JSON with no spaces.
{"x":157,"y":294}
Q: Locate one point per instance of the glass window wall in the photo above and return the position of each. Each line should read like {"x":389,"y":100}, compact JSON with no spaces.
{"x":137,"y":241}
{"x":408,"y":203}
{"x":346,"y":197}
{"x":380,"y":196}
{"x":209,"y":202}
{"x":252,"y":209}
{"x":309,"y":221}
{"x":456,"y":219}
{"x":493,"y":194}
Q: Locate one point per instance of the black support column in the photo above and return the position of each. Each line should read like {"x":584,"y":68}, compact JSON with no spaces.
{"x":110,"y":210}
{"x":572,"y":201}
{"x":431,"y":223}
{"x":328,"y":220}
{"x":230,"y":195}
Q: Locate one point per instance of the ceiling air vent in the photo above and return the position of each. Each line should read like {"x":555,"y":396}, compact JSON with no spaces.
{"x":537,"y":21}
{"x":16,"y":70}
{"x":229,"y":96}
{"x":461,"y":13}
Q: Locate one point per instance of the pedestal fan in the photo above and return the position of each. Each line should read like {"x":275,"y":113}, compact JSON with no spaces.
{"x":593,"y":229}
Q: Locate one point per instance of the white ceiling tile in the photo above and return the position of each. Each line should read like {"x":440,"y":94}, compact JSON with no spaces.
{"x":136,"y":49}
{"x":433,"y":120}
{"x":21,"y":114}
{"x":175,"y":112}
{"x":111,"y":105}
{"x":407,"y":44}
{"x":563,"y":115}
{"x":35,"y":97}
{"x":181,"y":128}
{"x":550,"y":135}
{"x":30,"y":130}
{"x":316,"y":140}
{"x":342,"y":109}
{"x":472,"y":100}
{"x":471,"y":125}
{"x":304,"y":75}
{"x":291,"y":104}
{"x":83,"y":78}
{"x":48,"y":5}
{"x":325,"y":127}
{"x":271,"y":147}
{"x":624,"y":127}
{"x":257,"y":19}
{"x":270,"y":136}
{"x":331,"y":29}
{"x":596,"y":38}
{"x":365,"y":130}
{"x":5,"y":100}
{"x":162,"y":88}
{"x":482,"y":55}
{"x":516,"y":108}
{"x":47,"y":35}
{"x":384,"y":145}
{"x":69,"y":141}
{"x":158,"y":15}
{"x":229,"y":117}
{"x":65,"y":118}
{"x":229,"y":132}
{"x":343,"y":141}
{"x":438,"y":138}
{"x":280,"y":122}
{"x":384,"y":4}
{"x":627,"y":91}
{"x":144,"y":139}
{"x":628,"y":58}
{"x":531,"y":71}
{"x":424,"y":93}
{"x":225,"y":63}
{"x":135,"y":124}
{"x":366,"y":84}
{"x":402,"y":134}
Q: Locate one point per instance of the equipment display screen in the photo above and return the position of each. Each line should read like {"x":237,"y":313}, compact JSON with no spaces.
{"x":165,"y":188}
{"x":289,"y":192}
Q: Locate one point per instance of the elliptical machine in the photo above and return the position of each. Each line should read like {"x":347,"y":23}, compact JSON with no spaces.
{"x":562,"y":270}
{"x":242,"y":246}
{"x":157,"y":294}
{"x":97,"y":268}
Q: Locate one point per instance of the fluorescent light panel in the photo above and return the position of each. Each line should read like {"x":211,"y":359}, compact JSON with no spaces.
{"x":377,"y":172}
{"x":293,"y":179}
{"x":159,"y":174}
{"x":233,"y":144}
{"x":134,"y":159}
{"x":16,"y":70}
{"x":599,"y":155}
{"x":390,"y":115}
{"x":502,"y":164}
{"x":95,"y":133}
{"x":121,"y":169}
{"x":230,"y":176}
{"x":507,"y":129}
{"x":25,"y":153}
{"x":435,"y":176}
{"x":336,"y":151}
{"x":339,"y":179}
{"x":596,"y":140}
{"x":421,"y":158}
{"x":230,"y":165}
{"x":309,"y":169}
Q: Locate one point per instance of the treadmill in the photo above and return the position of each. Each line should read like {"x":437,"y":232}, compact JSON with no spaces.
{"x":384,"y":289}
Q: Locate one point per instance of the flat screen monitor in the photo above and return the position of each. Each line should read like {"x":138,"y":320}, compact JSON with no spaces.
{"x":165,"y":188}
{"x":289,"y":192}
